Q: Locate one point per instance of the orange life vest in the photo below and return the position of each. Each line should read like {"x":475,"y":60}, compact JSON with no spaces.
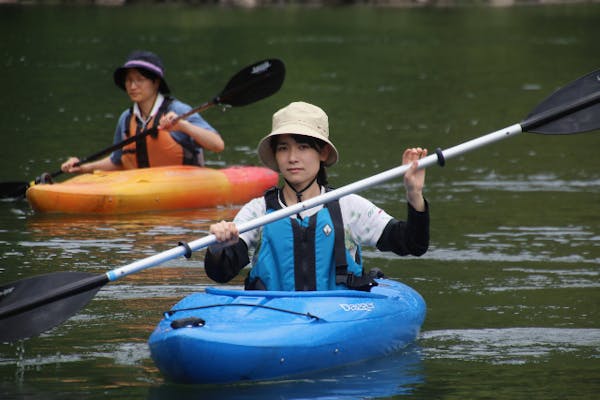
{"x":157,"y":149}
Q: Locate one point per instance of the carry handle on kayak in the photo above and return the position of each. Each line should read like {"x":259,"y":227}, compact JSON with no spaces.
{"x":34,"y":305}
{"x":254,"y":82}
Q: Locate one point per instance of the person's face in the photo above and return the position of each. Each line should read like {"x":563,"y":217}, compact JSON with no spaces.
{"x":138,"y":87}
{"x":299,"y":163}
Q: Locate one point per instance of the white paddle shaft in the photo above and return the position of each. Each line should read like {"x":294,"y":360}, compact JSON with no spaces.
{"x":438,"y":157}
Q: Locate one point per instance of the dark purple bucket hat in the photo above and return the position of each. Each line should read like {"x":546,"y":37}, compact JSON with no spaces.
{"x":147,"y":61}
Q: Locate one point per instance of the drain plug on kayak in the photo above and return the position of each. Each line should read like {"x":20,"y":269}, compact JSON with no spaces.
{"x":191,"y":322}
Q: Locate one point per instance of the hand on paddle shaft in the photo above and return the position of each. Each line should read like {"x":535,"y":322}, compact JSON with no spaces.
{"x":33,"y":305}
{"x":254,"y":82}
{"x":414,"y":178}
{"x":169,"y":121}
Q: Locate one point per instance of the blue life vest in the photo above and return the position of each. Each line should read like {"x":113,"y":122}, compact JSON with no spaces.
{"x":300,"y":254}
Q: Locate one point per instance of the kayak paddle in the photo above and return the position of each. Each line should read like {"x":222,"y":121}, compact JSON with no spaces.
{"x":33,"y":305}
{"x":253,"y":83}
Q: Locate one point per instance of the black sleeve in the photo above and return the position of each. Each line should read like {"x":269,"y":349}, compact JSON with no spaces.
{"x":410,"y":237}
{"x":224,"y":265}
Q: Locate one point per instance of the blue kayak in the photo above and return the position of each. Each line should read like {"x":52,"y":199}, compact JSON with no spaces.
{"x":225,"y":336}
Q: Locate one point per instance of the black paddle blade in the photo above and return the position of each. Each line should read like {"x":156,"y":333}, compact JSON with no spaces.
{"x":573,"y":108}
{"x":253,"y":83}
{"x":13,"y":190}
{"x":34,"y":305}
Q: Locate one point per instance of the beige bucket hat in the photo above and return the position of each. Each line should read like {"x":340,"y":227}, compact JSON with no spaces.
{"x":297,"y":118}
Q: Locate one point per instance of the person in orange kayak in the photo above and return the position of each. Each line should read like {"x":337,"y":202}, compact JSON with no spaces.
{"x":319,"y":248}
{"x":142,"y":77}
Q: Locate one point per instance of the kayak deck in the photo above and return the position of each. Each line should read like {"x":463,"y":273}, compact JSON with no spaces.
{"x":224,"y":336}
{"x":152,"y":189}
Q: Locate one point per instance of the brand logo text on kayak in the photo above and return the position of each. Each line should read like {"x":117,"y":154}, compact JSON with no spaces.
{"x":358,"y":307}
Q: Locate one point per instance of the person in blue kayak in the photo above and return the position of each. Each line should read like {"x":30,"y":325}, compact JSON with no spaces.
{"x":319,"y":248}
{"x":142,"y":77}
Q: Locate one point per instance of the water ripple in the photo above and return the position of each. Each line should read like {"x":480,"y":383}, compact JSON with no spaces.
{"x":126,"y":353}
{"x":128,"y":292}
{"x":547,"y":244}
{"x":510,"y":345}
{"x":539,"y":183}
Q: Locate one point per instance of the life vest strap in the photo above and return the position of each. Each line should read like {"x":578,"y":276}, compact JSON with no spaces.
{"x":339,"y":250}
{"x":191,"y":155}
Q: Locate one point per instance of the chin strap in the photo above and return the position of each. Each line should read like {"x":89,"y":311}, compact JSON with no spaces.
{"x":299,"y":192}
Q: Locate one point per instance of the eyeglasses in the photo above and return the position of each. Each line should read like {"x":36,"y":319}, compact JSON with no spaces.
{"x":136,"y":81}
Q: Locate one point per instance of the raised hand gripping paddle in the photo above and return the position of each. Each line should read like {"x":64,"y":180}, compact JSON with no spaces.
{"x":31,"y":306}
{"x":254,"y":82}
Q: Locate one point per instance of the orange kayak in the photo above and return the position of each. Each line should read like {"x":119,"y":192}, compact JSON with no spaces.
{"x":152,"y":189}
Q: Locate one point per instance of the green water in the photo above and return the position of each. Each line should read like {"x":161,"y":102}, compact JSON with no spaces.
{"x":512,"y":276}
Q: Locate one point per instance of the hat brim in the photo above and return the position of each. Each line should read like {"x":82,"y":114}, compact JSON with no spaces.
{"x":121,"y":72}
{"x":267,"y":157}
